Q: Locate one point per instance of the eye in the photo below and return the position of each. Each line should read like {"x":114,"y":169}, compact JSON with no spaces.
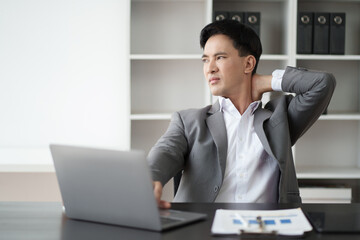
{"x":220,"y":57}
{"x":205,"y":60}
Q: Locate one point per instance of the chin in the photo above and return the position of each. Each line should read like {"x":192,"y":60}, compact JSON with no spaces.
{"x":214,"y":92}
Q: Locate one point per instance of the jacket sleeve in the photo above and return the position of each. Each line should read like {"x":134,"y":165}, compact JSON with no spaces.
{"x":313,"y":91}
{"x":166,"y":158}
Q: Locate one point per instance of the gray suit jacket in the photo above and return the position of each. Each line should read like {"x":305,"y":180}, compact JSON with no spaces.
{"x":196,"y":140}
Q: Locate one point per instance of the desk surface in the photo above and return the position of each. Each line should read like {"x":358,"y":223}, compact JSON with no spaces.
{"x":47,"y":221}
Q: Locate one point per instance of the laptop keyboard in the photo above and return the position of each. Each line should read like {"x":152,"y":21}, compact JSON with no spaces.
{"x":166,"y":220}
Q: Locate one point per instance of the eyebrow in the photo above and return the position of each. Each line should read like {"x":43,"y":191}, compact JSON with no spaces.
{"x":216,"y":54}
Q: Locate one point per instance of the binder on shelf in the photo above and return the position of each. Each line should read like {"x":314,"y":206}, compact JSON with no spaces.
{"x":220,"y":15}
{"x":238,"y":16}
{"x":337,"y":33}
{"x":305,"y":33}
{"x":321,"y":33}
{"x":253,"y":20}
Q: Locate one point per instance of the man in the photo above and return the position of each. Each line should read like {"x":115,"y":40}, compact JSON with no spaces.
{"x":235,"y":150}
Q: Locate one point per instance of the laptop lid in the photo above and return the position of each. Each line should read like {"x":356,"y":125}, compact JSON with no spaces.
{"x":109,"y":186}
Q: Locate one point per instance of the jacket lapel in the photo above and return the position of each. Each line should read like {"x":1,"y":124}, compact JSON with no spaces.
{"x":259,"y":117}
{"x":216,"y":125}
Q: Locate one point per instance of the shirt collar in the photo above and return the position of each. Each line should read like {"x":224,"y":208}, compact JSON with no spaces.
{"x":225,"y":103}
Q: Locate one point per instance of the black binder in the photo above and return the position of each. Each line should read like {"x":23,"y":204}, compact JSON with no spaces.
{"x":220,"y":15}
{"x":305,"y":32}
{"x":238,"y":16}
{"x":321,"y":33}
{"x":337,"y":33}
{"x":253,"y":20}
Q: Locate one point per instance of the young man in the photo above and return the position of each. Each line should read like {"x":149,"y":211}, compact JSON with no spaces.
{"x":235,"y":150}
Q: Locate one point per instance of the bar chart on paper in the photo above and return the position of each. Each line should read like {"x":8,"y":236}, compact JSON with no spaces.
{"x":280,"y":222}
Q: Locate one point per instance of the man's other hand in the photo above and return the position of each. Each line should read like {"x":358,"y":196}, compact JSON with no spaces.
{"x":259,"y":85}
{"x":158,"y":193}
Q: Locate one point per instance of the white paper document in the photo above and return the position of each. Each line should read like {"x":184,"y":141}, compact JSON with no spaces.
{"x":290,"y":222}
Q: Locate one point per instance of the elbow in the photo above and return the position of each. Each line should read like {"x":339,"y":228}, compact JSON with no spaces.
{"x":329,"y":80}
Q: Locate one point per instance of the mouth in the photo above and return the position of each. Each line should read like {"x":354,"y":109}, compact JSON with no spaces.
{"x":213,"y":80}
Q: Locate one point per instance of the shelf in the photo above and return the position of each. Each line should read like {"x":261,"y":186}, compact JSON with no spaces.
{"x":326,"y":172}
{"x":165,"y":1}
{"x":150,"y":116}
{"x":346,"y":95}
{"x":274,"y":57}
{"x":163,"y":86}
{"x":166,"y":27}
{"x":196,"y":57}
{"x":348,"y":116}
{"x":164,"y":56}
{"x":328,"y":57}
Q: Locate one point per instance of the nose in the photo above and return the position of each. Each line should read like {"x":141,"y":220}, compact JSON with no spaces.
{"x":212,"y":67}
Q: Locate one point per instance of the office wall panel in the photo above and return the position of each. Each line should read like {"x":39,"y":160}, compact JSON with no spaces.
{"x":64,"y":75}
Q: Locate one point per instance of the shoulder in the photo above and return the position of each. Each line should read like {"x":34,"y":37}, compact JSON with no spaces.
{"x":280,"y":101}
{"x":193,"y":113}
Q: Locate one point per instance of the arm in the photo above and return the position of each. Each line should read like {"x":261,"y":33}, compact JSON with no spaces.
{"x":313,"y":91}
{"x":166,"y":158}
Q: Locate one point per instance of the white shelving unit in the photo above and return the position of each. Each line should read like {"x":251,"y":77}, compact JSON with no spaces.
{"x":166,"y":73}
{"x":166,"y":67}
{"x":330,"y":150}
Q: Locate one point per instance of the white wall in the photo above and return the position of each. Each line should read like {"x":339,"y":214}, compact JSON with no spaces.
{"x":64,"y":76}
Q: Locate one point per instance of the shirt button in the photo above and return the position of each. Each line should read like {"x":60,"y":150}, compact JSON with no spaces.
{"x":216,"y":188}
{"x":239,"y":197}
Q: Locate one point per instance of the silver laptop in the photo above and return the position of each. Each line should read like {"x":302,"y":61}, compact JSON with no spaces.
{"x":113,"y":187}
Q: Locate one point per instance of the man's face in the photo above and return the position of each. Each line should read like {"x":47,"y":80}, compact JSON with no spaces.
{"x":223,"y":67}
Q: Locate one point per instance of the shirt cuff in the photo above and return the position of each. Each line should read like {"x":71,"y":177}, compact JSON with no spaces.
{"x":276,"y":80}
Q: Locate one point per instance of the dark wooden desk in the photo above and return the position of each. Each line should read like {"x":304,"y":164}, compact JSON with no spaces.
{"x":46,"y":221}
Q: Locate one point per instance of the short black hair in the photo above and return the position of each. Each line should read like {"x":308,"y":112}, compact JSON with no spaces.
{"x":245,"y":40}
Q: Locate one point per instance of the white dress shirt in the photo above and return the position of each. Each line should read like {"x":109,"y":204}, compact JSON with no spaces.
{"x":251,"y":175}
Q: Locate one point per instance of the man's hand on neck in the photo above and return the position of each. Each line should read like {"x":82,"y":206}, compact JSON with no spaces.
{"x":259,"y":85}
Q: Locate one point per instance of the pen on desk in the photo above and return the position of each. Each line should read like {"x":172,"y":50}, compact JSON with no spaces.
{"x":242,"y":220}
{"x":261,"y":223}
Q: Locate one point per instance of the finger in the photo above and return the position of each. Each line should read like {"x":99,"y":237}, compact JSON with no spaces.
{"x":164,"y":204}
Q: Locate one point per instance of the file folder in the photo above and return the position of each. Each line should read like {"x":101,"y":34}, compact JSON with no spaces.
{"x":305,"y":33}
{"x":220,"y":15}
{"x":238,"y":16}
{"x":252,"y":19}
{"x":321,"y":33}
{"x":337,"y":33}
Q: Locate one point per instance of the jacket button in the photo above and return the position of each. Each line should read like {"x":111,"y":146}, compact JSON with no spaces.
{"x":216,"y":188}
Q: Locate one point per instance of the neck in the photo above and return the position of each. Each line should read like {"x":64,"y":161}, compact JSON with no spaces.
{"x":241,"y":103}
{"x":243,"y":98}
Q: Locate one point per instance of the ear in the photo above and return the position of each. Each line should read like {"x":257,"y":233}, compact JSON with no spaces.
{"x":250,"y":63}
